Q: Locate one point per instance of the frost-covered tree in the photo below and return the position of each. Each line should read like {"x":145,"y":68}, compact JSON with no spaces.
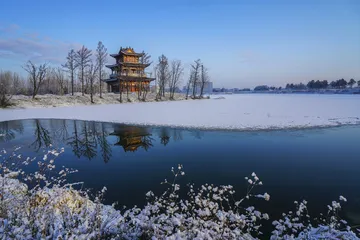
{"x":162,"y":74}
{"x":142,"y":91}
{"x":101,"y":55}
{"x":83,"y":60}
{"x":37,"y":75}
{"x":60,"y":79}
{"x":188,"y":85}
{"x":91,"y":74}
{"x":196,"y":73}
{"x":176,"y":72}
{"x":70,"y":66}
{"x":8,"y":84}
{"x":204,"y":79}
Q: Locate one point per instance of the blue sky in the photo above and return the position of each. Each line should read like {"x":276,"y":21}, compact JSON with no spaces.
{"x":243,"y":43}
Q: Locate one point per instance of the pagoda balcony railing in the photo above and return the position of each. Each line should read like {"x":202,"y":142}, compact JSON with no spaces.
{"x":114,"y":75}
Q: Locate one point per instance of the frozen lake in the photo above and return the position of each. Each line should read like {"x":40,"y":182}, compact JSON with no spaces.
{"x":242,"y":112}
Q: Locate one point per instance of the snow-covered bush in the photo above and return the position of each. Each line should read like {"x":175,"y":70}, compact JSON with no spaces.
{"x":299,"y":225}
{"x":42,"y":205}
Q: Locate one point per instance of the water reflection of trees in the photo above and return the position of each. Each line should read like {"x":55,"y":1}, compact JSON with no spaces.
{"x":105,"y":147}
{"x":164,"y":135}
{"x":59,"y":129}
{"x":42,"y":136}
{"x":84,"y":139}
{"x":9,"y":129}
{"x":74,"y":141}
{"x":177,"y":134}
{"x":90,"y":139}
{"x":197,"y":134}
{"x":131,"y":138}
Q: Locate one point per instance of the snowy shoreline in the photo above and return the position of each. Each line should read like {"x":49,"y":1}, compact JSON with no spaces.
{"x":233,"y":112}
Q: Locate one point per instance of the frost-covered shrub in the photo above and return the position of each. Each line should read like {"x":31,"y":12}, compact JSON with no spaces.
{"x":210,"y":212}
{"x":42,"y":205}
{"x":299,"y":225}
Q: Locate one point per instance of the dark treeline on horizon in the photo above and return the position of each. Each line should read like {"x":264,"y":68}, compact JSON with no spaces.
{"x":318,"y":84}
{"x":340,"y":83}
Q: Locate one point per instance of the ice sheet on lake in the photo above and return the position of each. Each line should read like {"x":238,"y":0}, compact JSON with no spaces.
{"x":243,"y":112}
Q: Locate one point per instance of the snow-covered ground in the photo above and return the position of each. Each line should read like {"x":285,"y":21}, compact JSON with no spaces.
{"x":243,"y":112}
{"x":50,"y":100}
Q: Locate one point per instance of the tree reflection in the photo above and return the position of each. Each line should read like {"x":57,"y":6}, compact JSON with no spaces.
{"x":91,"y":139}
{"x":88,"y":143}
{"x":42,"y":136}
{"x":164,"y":136}
{"x":59,"y":129}
{"x":177,"y":135}
{"x":86,"y":138}
{"x":132,"y":138}
{"x":9,"y":129}
{"x":197,"y":133}
{"x":105,"y":147}
{"x":74,"y":141}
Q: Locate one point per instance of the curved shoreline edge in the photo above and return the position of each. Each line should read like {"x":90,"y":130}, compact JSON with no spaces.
{"x":204,"y":128}
{"x":235,"y":113}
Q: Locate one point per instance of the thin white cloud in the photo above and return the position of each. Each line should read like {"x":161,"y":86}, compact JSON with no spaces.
{"x":22,"y":47}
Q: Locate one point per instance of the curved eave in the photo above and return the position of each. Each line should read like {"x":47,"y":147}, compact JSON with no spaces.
{"x":128,"y":78}
{"x":115,"y":55}
{"x":111,"y":66}
{"x":128,"y":64}
{"x":109,"y":80}
{"x":134,"y":64}
{"x":131,"y":78}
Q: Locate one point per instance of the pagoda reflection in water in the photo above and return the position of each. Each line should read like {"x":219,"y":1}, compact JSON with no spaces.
{"x":131,"y":138}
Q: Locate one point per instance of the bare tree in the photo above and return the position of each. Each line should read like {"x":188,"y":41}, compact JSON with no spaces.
{"x":203,"y":80}
{"x":101,"y":55}
{"x":60,"y":79}
{"x":71,"y":65}
{"x":188,"y":85}
{"x":162,"y":74}
{"x":83,"y":60}
{"x":37,"y":75}
{"x":91,"y":75}
{"x":145,"y":90}
{"x":144,"y":59}
{"x":195,"y":80}
{"x":8,"y":82}
{"x":175,"y":76}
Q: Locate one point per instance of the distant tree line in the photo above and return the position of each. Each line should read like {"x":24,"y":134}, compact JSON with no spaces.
{"x":338,"y":84}
{"x":266,"y":88}
{"x":324,"y":84}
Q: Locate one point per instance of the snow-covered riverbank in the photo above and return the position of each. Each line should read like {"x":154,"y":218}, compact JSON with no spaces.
{"x":50,"y":100}
{"x":242,"y":112}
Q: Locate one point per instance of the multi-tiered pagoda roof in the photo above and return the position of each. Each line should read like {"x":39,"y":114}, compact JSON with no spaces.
{"x":128,"y":68}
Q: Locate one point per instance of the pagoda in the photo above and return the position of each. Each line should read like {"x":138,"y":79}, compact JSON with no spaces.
{"x":128,"y":72}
